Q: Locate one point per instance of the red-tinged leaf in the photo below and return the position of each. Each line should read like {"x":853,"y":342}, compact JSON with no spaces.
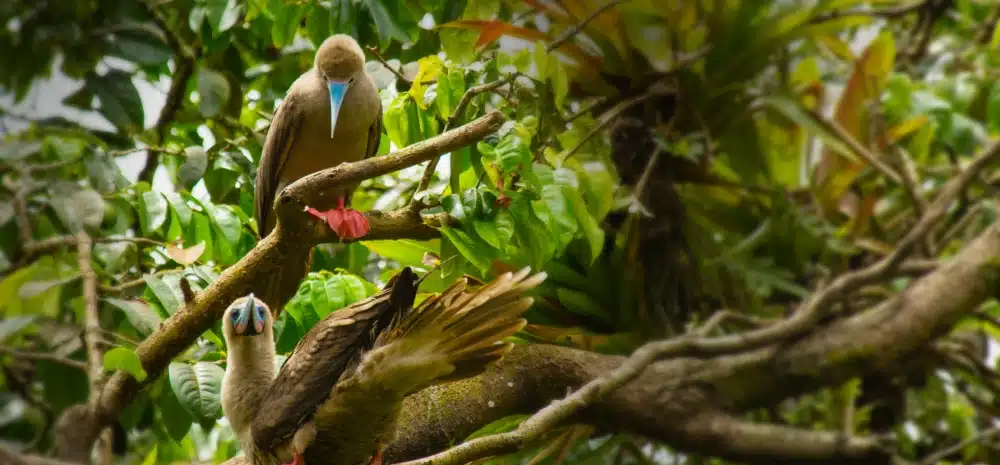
{"x":491,"y":30}
{"x":871,"y":70}
{"x":490,"y":33}
{"x":185,"y":256}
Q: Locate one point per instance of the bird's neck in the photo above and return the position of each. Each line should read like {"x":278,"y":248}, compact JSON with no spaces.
{"x":249,"y":372}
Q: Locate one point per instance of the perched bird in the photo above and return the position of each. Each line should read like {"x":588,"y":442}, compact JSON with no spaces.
{"x":348,"y":376}
{"x":250,"y":358}
{"x":331,"y":114}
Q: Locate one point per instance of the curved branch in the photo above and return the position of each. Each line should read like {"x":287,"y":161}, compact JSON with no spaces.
{"x":678,"y":400}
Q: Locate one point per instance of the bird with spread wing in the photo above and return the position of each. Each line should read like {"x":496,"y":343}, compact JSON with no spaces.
{"x":348,"y":376}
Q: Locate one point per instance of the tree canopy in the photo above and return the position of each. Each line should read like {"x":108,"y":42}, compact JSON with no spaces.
{"x":768,"y":227}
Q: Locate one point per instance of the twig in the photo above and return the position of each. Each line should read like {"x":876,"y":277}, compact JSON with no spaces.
{"x":42,"y":356}
{"x":92,"y":339}
{"x":425,"y":180}
{"x":569,"y":33}
{"x":937,"y":457}
{"x":859,"y":149}
{"x":394,"y":71}
{"x":888,"y":13}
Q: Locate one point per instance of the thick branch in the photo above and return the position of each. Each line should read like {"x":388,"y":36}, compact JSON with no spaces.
{"x":676,"y":400}
{"x":310,"y":189}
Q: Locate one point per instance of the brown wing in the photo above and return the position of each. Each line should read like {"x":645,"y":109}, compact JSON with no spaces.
{"x":320,"y":358}
{"x":375,"y":133}
{"x":280,"y":138}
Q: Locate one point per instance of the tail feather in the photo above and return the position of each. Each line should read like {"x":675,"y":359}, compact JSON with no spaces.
{"x":452,"y":336}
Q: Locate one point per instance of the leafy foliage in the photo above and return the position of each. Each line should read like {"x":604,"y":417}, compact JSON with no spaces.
{"x":722,"y":198}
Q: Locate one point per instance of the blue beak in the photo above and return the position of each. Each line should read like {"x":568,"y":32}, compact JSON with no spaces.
{"x":249,"y":323}
{"x":338,"y":89}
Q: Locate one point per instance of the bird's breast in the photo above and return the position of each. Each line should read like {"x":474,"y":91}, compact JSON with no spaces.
{"x":314,"y":149}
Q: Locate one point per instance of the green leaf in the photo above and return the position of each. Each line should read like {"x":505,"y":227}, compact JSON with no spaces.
{"x":179,"y":207}
{"x":213,"y":93}
{"x":222,"y":14}
{"x":386,"y":21}
{"x":407,"y":252}
{"x":124,"y":360}
{"x":323,"y":292}
{"x":152,"y":212}
{"x":167,"y":291}
{"x":79,"y":209}
{"x":198,"y":387}
{"x":395,"y":120}
{"x":558,"y":79}
{"x":120,"y":102}
{"x":138,"y":313}
{"x":140,"y":46}
{"x":318,"y":24}
{"x":497,"y":232}
{"x":993,"y":107}
{"x":36,"y":288}
{"x":195,"y":163}
{"x":227,"y":223}
{"x":12,"y":326}
{"x":588,"y":224}
{"x":582,"y":304}
{"x":450,"y":87}
{"x":18,"y":150}
{"x":471,"y":247}
{"x":286,"y":23}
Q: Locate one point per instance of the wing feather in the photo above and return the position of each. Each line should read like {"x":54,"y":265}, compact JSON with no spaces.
{"x":281,"y":135}
{"x":307,"y":377}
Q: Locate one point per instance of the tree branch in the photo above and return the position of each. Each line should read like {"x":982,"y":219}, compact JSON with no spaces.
{"x":92,"y":337}
{"x":296,"y":233}
{"x":677,"y":401}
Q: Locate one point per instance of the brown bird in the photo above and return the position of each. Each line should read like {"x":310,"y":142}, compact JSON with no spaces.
{"x":331,"y":114}
{"x":353,"y":368}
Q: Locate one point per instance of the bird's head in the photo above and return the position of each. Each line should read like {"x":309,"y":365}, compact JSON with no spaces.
{"x":340,"y":62}
{"x":247,"y":316}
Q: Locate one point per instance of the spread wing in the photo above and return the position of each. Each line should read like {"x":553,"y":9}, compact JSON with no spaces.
{"x":321,"y":357}
{"x":280,"y":139}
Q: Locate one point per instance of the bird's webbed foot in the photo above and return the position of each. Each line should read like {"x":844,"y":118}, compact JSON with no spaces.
{"x":348,"y":223}
{"x":298,"y":460}
{"x":377,"y":458}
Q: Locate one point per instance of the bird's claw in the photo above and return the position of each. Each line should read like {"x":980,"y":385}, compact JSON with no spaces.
{"x":377,"y":458}
{"x":298,"y":460}
{"x":348,"y":223}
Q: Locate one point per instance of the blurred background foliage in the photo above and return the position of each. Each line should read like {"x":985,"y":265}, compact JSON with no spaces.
{"x":663,"y":159}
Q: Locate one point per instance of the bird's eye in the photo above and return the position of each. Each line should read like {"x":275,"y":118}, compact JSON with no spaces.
{"x":260,"y":312}
{"x":235,"y":314}
{"x":350,"y":81}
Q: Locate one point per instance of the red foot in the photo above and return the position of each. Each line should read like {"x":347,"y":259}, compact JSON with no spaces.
{"x":298,"y":460}
{"x":348,"y":223}
{"x":377,"y":458}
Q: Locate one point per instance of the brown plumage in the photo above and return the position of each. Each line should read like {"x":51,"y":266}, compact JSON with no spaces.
{"x":304,"y":138}
{"x":362,"y":361}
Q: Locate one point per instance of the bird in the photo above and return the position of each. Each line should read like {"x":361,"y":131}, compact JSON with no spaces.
{"x":247,"y":326}
{"x":361,"y":361}
{"x":331,"y":114}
